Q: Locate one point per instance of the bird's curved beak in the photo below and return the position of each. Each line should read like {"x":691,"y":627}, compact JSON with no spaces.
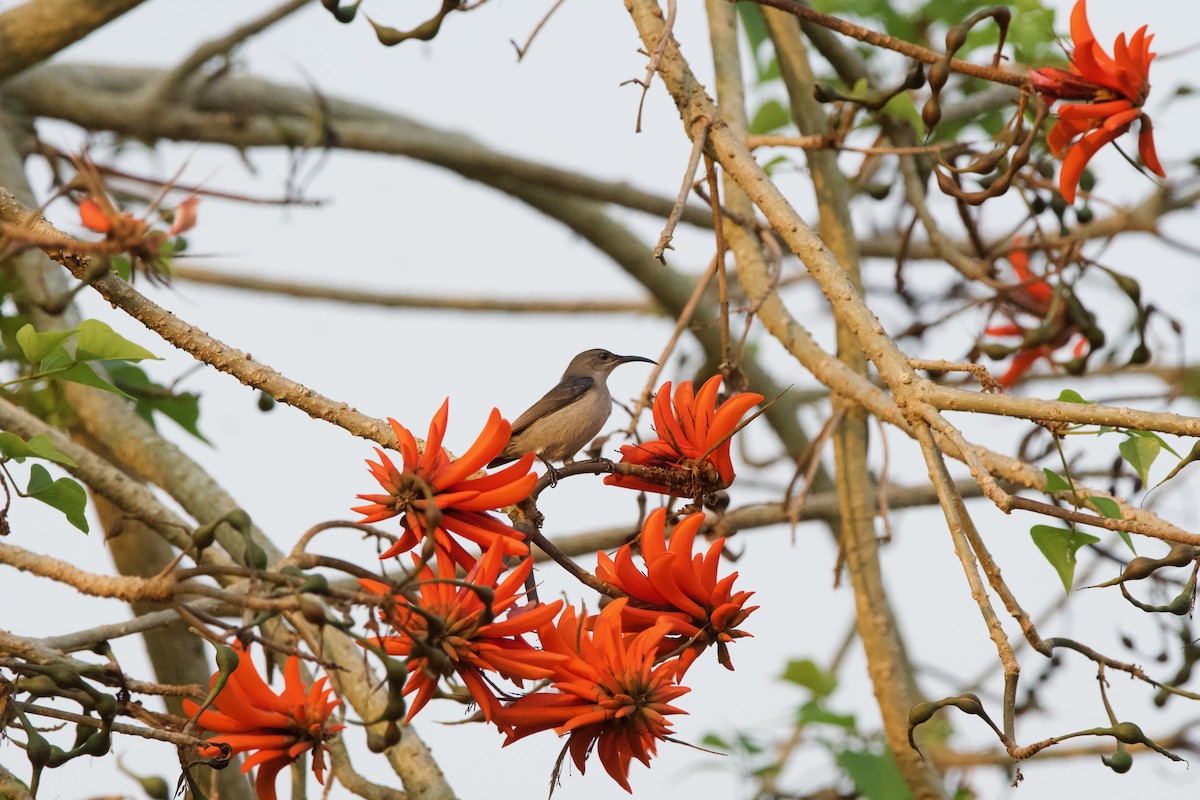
{"x":627,"y":359}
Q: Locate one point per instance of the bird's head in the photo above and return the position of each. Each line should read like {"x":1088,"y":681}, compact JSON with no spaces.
{"x":599,"y":363}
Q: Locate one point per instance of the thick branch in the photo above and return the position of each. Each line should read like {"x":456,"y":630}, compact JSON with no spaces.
{"x":247,"y":112}
{"x":33,"y":31}
{"x":373,"y":297}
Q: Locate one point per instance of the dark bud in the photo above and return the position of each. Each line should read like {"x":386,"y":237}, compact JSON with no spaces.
{"x":254,"y":556}
{"x":240,"y":520}
{"x":1129,"y":733}
{"x":155,"y":787}
{"x":1084,"y":215}
{"x":312,"y":611}
{"x":98,"y":744}
{"x":824,"y":94}
{"x":1118,"y":762}
{"x":203,"y":536}
{"x":717,"y":501}
{"x":956,"y":37}
{"x":265,"y":402}
{"x":931,"y":112}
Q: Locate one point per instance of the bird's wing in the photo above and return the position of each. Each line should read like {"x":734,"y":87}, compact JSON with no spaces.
{"x":566,"y":392}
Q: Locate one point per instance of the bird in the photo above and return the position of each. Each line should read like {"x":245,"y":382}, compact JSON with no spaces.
{"x":569,"y":415}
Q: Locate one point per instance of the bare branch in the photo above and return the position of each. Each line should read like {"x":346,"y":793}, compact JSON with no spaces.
{"x":32,"y":32}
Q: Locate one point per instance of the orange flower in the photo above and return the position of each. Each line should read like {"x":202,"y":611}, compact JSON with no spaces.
{"x":249,"y":716}
{"x":678,"y":588}
{"x":452,"y":630}
{"x":1034,"y":295}
{"x":693,"y":441}
{"x":1027,"y":356}
{"x":1112,"y":92}
{"x":608,"y":694}
{"x":436,"y":494}
{"x":92,"y":215}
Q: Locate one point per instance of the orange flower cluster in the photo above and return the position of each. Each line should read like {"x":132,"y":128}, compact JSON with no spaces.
{"x":1035,"y":296}
{"x":1109,"y":93}
{"x":452,"y":630}
{"x":680,"y":589}
{"x":102,"y":217}
{"x":692,"y":449}
{"x":609,"y":692}
{"x":434,"y":496}
{"x":275,"y":728}
{"x":611,"y":678}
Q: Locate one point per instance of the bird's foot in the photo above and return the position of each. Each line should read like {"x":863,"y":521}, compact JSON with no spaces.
{"x":552,"y":472}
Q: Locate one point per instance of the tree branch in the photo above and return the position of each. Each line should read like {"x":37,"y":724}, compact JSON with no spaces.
{"x":32,"y":32}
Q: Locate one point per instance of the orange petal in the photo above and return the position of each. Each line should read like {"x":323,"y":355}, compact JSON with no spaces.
{"x":1147,"y":150}
{"x":93,"y":217}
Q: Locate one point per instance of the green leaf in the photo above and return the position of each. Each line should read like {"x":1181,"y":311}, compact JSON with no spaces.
{"x":14,"y":447}
{"x":1054,"y":482}
{"x":1140,"y":452}
{"x":1059,"y":546}
{"x":753,"y":24}
{"x":813,"y":713}
{"x":182,"y":407}
{"x":807,"y":674}
{"x":63,"y":494}
{"x":770,"y":166}
{"x":1161,"y":441}
{"x":1106,"y":506}
{"x":904,"y":107}
{"x":97,"y":342}
{"x":58,"y":358}
{"x":1071,"y":396}
{"x":715,"y":742}
{"x":122,"y":266}
{"x":36,"y":345}
{"x":875,"y":775}
{"x":771,"y":116}
{"x":749,"y":745}
{"x":38,"y":446}
{"x":82,"y":373}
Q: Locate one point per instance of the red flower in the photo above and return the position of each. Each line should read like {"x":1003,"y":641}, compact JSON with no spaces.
{"x":1028,"y":356}
{"x":452,"y":630}
{"x":249,"y":716}
{"x":436,"y":494}
{"x":608,"y":694}
{"x":693,"y":441}
{"x":1034,"y":295}
{"x":678,"y":588}
{"x":1112,"y":92}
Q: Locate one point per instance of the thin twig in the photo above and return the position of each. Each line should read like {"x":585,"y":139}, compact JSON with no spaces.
{"x":652,"y":66}
{"x":877,"y":39}
{"x":521,"y":51}
{"x":699,"y":137}
{"x":116,"y":727}
{"x":722,"y":280}
{"x":685,"y":318}
{"x":168,"y":89}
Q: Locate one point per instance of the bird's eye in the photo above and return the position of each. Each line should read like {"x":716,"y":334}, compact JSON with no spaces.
{"x":604,"y":356}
